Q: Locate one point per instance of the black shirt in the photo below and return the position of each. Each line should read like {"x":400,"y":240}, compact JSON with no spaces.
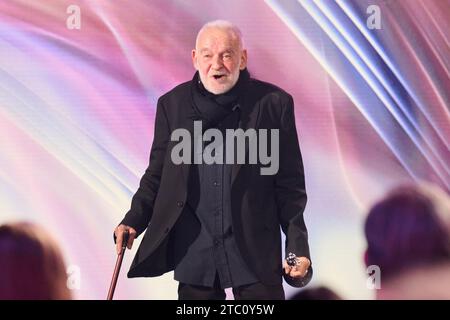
{"x":213,"y":251}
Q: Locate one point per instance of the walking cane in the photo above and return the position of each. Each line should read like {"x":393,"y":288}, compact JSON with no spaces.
{"x":118,"y":265}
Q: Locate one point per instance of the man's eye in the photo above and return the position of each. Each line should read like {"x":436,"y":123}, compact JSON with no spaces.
{"x":227,"y":56}
{"x":207,"y":56}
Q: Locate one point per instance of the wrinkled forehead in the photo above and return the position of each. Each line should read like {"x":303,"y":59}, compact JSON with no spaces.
{"x":217,"y":38}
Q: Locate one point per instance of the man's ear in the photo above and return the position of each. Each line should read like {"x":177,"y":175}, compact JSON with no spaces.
{"x":194,"y":59}
{"x":243,"y":63}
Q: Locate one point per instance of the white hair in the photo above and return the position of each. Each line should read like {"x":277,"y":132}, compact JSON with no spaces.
{"x":223,"y":25}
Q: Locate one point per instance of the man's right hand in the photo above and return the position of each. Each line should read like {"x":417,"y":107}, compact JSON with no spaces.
{"x":120,"y":230}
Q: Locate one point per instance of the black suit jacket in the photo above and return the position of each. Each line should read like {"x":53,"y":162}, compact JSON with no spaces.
{"x":260,"y":203}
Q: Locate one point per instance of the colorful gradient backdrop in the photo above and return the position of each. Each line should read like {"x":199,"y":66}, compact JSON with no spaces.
{"x":77,"y":112}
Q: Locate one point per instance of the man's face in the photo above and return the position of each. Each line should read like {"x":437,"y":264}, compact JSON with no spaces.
{"x":218,"y":59}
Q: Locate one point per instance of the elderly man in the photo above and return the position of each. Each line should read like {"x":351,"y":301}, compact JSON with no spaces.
{"x":217,"y":224}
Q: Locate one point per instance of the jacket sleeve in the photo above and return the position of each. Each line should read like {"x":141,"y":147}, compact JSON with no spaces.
{"x":143,"y":200}
{"x":290,"y":187}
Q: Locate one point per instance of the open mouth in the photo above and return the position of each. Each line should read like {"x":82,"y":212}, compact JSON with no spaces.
{"x":218,"y":76}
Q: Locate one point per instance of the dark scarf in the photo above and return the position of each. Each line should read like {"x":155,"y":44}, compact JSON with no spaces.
{"x":211,"y":108}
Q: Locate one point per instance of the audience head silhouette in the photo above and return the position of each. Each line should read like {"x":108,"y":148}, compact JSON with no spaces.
{"x":32,"y":266}
{"x":408,"y":228}
{"x":317,"y":293}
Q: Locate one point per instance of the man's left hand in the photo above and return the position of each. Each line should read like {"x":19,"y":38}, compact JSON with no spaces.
{"x":299,"y":270}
